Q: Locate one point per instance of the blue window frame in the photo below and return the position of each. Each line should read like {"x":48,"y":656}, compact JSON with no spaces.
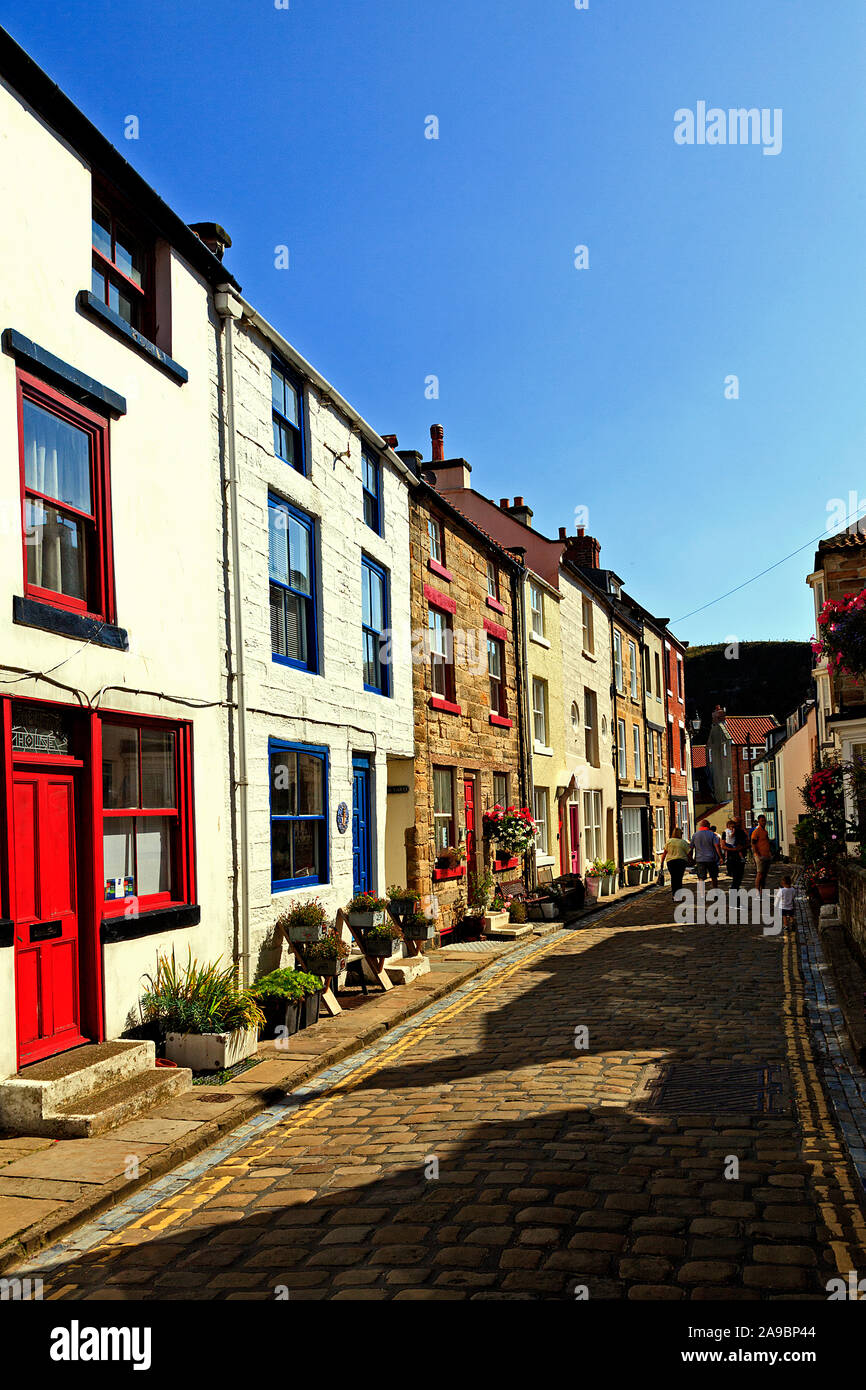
{"x":292,"y":573}
{"x":374,"y":619}
{"x":287,"y":401}
{"x":371,"y":481}
{"x":299,"y":814}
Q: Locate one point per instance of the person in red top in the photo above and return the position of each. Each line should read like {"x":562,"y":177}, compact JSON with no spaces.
{"x":762,"y":849}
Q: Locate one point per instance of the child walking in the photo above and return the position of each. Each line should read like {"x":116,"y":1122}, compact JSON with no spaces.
{"x":785,"y":901}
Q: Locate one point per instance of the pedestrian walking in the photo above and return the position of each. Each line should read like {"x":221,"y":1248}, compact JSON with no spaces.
{"x":676,"y":855}
{"x":707,"y":849}
{"x":785,"y":901}
{"x":762,"y":850}
{"x":736,"y":849}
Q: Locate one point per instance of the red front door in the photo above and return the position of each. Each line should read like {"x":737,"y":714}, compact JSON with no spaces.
{"x":45,"y":913}
{"x":469,"y":804}
{"x":574,"y":836}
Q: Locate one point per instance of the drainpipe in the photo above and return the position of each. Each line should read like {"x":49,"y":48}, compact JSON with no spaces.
{"x":229,"y":308}
{"x":615,"y":753}
{"x":518,"y":608}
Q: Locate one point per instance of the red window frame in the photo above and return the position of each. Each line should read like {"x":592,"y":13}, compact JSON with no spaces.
{"x":501,"y":707}
{"x":99,"y":603}
{"x":447,"y":663}
{"x":141,"y":296}
{"x":183,"y":838}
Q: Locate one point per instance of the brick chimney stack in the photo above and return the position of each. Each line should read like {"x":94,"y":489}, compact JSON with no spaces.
{"x":583,"y":550}
{"x":521,"y":512}
{"x":437,"y":441}
{"x":718,"y":714}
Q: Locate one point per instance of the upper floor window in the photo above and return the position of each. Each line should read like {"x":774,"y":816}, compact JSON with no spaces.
{"x":588,"y":628}
{"x":441,"y":642}
{"x":539,"y":710}
{"x":536,"y":610}
{"x":496,"y":672}
{"x":293,"y":589}
{"x":443,"y":808}
{"x":371,"y":480}
{"x":436,"y":536}
{"x":632,"y":670}
{"x":617,"y":661}
{"x":590,"y":726}
{"x":621,"y":751}
{"x":500,"y":789}
{"x":66,"y":502}
{"x":680,"y":677}
{"x":682,"y":750}
{"x":146,"y":814}
{"x":287,"y":409}
{"x":374,"y":619}
{"x":650,"y":753}
{"x":492,"y":580}
{"x":121,"y":272}
{"x":635,"y":734}
{"x":658,"y":677}
{"x":299,"y":815}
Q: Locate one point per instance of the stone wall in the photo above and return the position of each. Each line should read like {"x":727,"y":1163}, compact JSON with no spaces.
{"x":465,"y":740}
{"x":852,"y":907}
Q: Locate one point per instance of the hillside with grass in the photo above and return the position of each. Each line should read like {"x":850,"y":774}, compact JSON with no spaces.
{"x":762,"y":678}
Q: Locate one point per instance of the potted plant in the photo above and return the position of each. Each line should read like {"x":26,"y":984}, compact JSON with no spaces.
{"x":366,"y":911}
{"x":609,"y":869}
{"x":634,"y":873}
{"x":304,"y":922}
{"x":842,"y":634}
{"x":822,"y":877}
{"x":511,"y":828}
{"x":452,"y":856}
{"x":379,"y":940}
{"x":593,"y":880}
{"x":647,"y":867}
{"x":289,"y":1000}
{"x":517,"y":912}
{"x":403,"y":902}
{"x":327,"y":955}
{"x":481,"y":888}
{"x":208,"y":1023}
{"x":419,"y":928}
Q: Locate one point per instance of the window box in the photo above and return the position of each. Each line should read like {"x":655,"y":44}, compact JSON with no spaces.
{"x":500,"y":863}
{"x":445,"y":706}
{"x":366,"y":921}
{"x":500,"y":721}
{"x":448,"y":871}
{"x":436,"y":568}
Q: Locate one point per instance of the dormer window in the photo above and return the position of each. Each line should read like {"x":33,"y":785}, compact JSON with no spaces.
{"x":121,"y":276}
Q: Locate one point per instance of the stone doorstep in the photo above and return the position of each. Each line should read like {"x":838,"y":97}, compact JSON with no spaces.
{"x":28,"y":1224}
{"x":37,"y":1099}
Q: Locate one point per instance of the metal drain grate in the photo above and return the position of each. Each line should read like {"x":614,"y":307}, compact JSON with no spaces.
{"x":701,"y":1088}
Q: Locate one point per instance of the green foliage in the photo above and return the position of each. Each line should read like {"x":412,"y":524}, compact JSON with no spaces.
{"x":769,"y":677}
{"x":310,"y":913}
{"x":517,"y":912}
{"x":326,"y":948}
{"x":288,"y":984}
{"x":481,"y":889}
{"x":367,"y":902}
{"x":396,"y":891}
{"x":197,"y":998}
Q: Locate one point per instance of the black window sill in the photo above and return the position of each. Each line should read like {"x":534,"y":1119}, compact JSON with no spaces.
{"x":81,"y":387}
{"x":6,"y":932}
{"x":31,"y":613}
{"x":94,"y":308}
{"x":148,"y":923}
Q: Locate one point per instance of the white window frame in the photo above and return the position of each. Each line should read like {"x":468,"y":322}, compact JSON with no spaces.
{"x":660,"y":837}
{"x":541,"y":815}
{"x":536,"y":607}
{"x":590,"y":726}
{"x":650,"y":753}
{"x":617,"y":662}
{"x":632,"y":835}
{"x":539,"y":710}
{"x":636,"y":741}
{"x":632,"y":670}
{"x":446,"y":778}
{"x":588,"y":626}
{"x":592,"y":826}
{"x":621,"y":751}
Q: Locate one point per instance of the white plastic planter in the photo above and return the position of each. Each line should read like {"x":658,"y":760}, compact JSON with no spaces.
{"x":211,"y":1051}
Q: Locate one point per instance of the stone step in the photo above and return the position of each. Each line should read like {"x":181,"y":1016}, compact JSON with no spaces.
{"x":124,"y":1100}
{"x":402,"y":972}
{"x":510,"y":933}
{"x":42,"y":1089}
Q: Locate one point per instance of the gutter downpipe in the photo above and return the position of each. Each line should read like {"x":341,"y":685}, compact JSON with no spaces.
{"x":524,"y":726}
{"x":229,"y":307}
{"x":620,"y":845}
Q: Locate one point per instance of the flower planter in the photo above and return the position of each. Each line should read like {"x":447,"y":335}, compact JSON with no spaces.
{"x":633,"y":875}
{"x":646,"y":873}
{"x":211,"y":1051}
{"x":493,"y":921}
{"x":414,"y":933}
{"x":379,"y":946}
{"x":327,"y":966}
{"x":309,"y":1009}
{"x":306,"y":934}
{"x":363,"y":921}
{"x":549,"y":911}
{"x":593,"y":884}
{"x":403,"y":907}
{"x":280,"y":1013}
{"x":503,"y":862}
{"x":608,"y":885}
{"x":443,"y":871}
{"x":827,"y":890}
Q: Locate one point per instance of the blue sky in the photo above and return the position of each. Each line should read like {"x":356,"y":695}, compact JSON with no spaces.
{"x":601,"y":388}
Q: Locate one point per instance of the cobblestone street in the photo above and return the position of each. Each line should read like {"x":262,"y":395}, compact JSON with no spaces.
{"x":484,"y":1154}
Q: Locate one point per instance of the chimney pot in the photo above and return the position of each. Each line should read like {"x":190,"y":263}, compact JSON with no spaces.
{"x":391,"y":440}
{"x":580,"y":530}
{"x":563,"y":534}
{"x":518,"y":501}
{"x":505,"y":503}
{"x":437,"y":440}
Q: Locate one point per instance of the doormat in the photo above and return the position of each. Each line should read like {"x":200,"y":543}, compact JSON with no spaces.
{"x":705,"y":1088}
